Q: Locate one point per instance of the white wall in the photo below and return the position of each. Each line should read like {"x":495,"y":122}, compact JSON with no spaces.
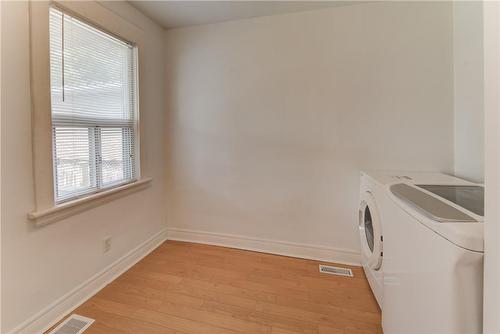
{"x":271,"y":119}
{"x":468,"y":89}
{"x":491,"y":301}
{"x":39,"y":265}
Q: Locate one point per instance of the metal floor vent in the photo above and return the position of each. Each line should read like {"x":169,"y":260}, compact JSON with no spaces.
{"x":335,"y":271}
{"x":74,"y":324}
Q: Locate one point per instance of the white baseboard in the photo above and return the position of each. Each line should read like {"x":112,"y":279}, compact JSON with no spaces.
{"x":305,"y":251}
{"x":49,"y":316}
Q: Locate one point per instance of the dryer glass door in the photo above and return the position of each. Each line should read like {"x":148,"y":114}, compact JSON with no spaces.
{"x":370,"y":231}
{"x":369,"y":228}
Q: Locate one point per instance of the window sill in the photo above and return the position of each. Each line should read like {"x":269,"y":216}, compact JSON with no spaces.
{"x":68,"y":209}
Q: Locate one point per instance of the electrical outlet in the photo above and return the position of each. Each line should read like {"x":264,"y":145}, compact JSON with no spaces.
{"x":106,"y":244}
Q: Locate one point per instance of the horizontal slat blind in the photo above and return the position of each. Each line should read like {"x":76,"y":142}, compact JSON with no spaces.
{"x":93,"y":101}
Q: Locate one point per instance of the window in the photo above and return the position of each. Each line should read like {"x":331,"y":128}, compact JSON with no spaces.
{"x":93,"y":107}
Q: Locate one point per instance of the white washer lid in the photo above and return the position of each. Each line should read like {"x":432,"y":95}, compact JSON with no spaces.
{"x":469,"y":197}
{"x":429,"y":205}
{"x":450,"y":221}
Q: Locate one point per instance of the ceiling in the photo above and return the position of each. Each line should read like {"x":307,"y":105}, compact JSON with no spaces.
{"x":174,"y":14}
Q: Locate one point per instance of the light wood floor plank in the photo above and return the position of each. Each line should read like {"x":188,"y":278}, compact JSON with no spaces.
{"x":186,"y":288}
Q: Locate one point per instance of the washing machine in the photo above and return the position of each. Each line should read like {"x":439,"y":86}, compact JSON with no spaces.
{"x":373,"y":199}
{"x":432,"y":256}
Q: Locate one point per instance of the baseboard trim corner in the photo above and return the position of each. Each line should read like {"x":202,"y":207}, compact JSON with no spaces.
{"x":304,"y":251}
{"x":48,"y":317}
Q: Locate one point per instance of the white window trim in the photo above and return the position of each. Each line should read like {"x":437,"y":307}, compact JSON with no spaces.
{"x":70,"y":208}
{"x":46,"y":209}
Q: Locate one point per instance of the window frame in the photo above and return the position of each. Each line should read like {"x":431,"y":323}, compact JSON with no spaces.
{"x":96,"y":130}
{"x":46,"y":209}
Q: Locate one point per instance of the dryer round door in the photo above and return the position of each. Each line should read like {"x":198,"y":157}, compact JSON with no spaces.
{"x":370,"y":232}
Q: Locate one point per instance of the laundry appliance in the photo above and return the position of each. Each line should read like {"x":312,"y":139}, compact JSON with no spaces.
{"x":432,"y":255}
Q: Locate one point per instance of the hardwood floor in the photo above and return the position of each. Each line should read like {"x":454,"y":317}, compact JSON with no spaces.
{"x":193,"y":288}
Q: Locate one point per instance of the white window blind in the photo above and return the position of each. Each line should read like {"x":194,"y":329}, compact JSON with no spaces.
{"x":93,"y":94}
